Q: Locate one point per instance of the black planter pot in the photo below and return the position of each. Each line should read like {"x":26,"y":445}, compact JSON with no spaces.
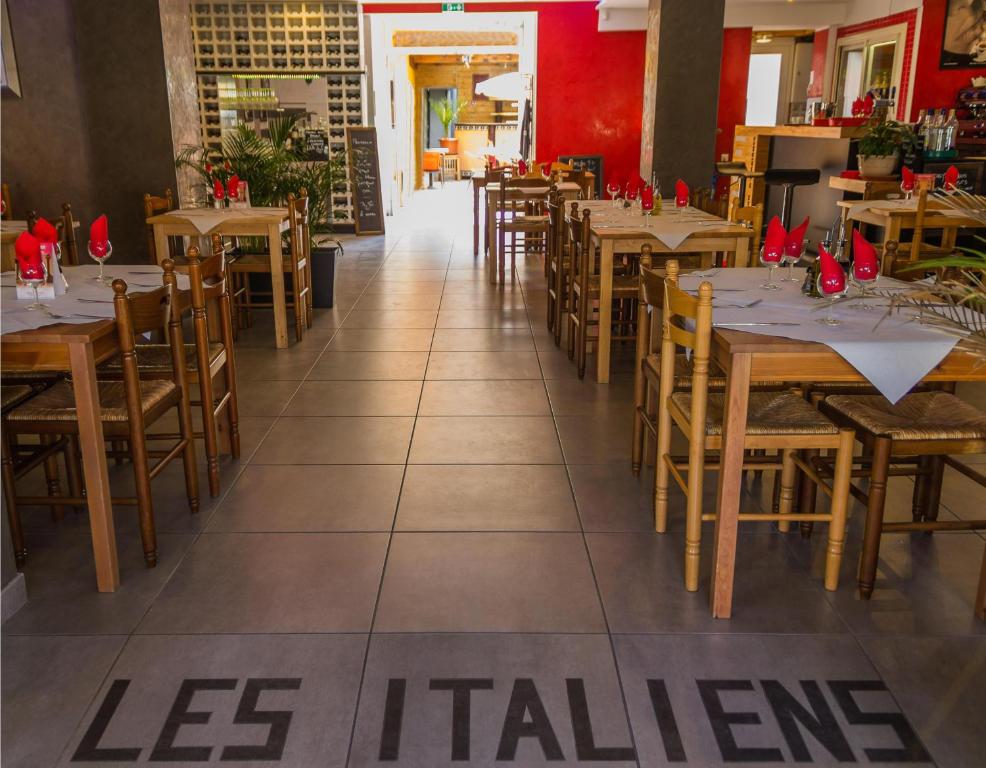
{"x":324,"y":275}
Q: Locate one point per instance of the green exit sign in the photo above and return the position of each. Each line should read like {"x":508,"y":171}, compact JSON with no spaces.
{"x":453,"y":7}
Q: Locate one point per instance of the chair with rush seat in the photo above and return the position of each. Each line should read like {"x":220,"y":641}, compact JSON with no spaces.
{"x":777,"y":421}
{"x":153,"y":205}
{"x":788,"y":179}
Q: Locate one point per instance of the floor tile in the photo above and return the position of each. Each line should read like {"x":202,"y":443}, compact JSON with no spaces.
{"x":471,"y":301}
{"x":61,"y":585}
{"x":641,"y":579}
{"x":482,"y":340}
{"x":572,"y":397}
{"x":433,"y":288}
{"x":483,"y":365}
{"x":486,"y":498}
{"x":483,"y":318}
{"x":940,"y":684}
{"x":415,"y":301}
{"x":411,"y":276}
{"x":381,"y":340}
{"x":310,"y":498}
{"x":371,"y":365}
{"x":306,"y":685}
{"x":253,"y":363}
{"x":48,"y":682}
{"x":337,"y":440}
{"x":686,"y":695}
{"x":595,"y":439}
{"x":355,"y":398}
{"x":484,"y":398}
{"x":546,"y":670}
{"x":391,"y":318}
{"x":312,"y":582}
{"x":488,"y":582}
{"x":485,"y":440}
{"x":255,"y":397}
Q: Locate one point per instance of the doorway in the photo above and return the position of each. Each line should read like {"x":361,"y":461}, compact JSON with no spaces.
{"x":433,"y":129}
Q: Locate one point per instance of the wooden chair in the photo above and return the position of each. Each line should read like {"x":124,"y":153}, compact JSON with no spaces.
{"x":519,"y":217}
{"x":298,"y":263}
{"x":128,"y":407}
{"x":783,"y":421}
{"x":580,"y":177}
{"x":931,"y":427}
{"x":154,"y":205}
{"x":751,"y":217}
{"x":5,"y":196}
{"x":557,"y":265}
{"x":65,"y":225}
{"x":584,"y":292}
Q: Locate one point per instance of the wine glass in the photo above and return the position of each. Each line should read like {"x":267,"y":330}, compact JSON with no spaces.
{"x":647,"y":209}
{"x":832,"y":287}
{"x":907,"y":190}
{"x":546,"y":171}
{"x":791,"y":257}
{"x":100,"y":251}
{"x":771,"y":258}
{"x":681,"y":203}
{"x":864,"y":274}
{"x":35,"y":276}
{"x":613,"y":190}
{"x":631,"y":198}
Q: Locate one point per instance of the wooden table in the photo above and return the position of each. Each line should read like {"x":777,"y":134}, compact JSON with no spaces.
{"x":78,"y":349}
{"x":748,"y":358}
{"x":894,"y":220}
{"x":732,"y":238}
{"x":241,"y":222}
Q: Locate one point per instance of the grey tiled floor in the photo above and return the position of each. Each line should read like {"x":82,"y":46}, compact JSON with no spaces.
{"x":433,"y":553}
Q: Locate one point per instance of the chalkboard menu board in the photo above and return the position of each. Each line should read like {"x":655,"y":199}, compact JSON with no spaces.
{"x":591,"y":163}
{"x":970,"y":174}
{"x":364,"y":176}
{"x":316,"y":144}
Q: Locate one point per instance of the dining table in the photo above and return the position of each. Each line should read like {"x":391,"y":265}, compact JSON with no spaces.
{"x":671,"y":230}
{"x":246,"y":221}
{"x":75,"y":332}
{"x":764,"y":335}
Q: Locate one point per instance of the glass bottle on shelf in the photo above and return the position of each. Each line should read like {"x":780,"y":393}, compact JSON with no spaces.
{"x":950,"y":132}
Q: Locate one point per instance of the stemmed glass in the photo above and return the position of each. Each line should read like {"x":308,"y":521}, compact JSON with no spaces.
{"x":647,"y":208}
{"x":613,"y":189}
{"x":35,"y":276}
{"x":907,"y":190}
{"x":681,"y":203}
{"x":771,"y":258}
{"x":792,"y":257}
{"x":631,"y":197}
{"x":864,"y":274}
{"x":100,"y":252}
{"x":546,"y":171}
{"x":832,"y":287}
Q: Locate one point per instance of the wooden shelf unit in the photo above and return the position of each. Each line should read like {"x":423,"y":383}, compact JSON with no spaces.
{"x":282,"y":39}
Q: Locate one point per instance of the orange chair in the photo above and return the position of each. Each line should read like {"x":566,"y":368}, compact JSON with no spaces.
{"x":431,"y":163}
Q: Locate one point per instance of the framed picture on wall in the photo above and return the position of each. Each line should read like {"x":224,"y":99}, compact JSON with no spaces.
{"x":963,"y":43}
{"x":10,"y":84}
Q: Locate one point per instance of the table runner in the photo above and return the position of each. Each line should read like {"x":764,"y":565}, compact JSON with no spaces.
{"x":902,"y":205}
{"x":85,"y":301}
{"x":893,"y":356}
{"x":207,"y":219}
{"x":672,"y":226}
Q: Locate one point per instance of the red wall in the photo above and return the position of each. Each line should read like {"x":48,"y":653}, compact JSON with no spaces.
{"x":590,"y":84}
{"x":733,"y":75}
{"x":934,"y":87}
{"x":818,"y":63}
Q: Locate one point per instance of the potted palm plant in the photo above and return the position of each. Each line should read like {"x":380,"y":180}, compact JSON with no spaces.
{"x":273,"y":167}
{"x":881,"y":147}
{"x":447,"y":113}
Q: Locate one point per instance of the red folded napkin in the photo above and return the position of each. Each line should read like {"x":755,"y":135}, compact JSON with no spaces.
{"x":951,"y":178}
{"x":868,"y":105}
{"x":773,"y":243}
{"x":857,"y":107}
{"x":832,"y":278}
{"x":233,"y":187}
{"x":906,"y":179}
{"x":99,"y":231}
{"x":45,"y":231}
{"x":546,"y":169}
{"x":647,"y":198}
{"x":208,"y":169}
{"x":522,"y":167}
{"x":680,"y":194}
{"x":865,"y":265}
{"x":217,"y":189}
{"x":795,"y":242}
{"x":27,"y":249}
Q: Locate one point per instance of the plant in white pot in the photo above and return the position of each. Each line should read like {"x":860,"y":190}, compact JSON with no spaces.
{"x":882,"y":146}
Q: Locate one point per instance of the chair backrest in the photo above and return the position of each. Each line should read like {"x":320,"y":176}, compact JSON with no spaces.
{"x":155,"y":204}
{"x":580,"y":177}
{"x":70,"y":246}
{"x":688,"y":324}
{"x":556,"y":166}
{"x":889,"y":260}
{"x":207,"y":282}
{"x":5,"y":196}
{"x":495,"y":175}
{"x":556,"y":221}
{"x":298,"y":227}
{"x":750,"y":216}
{"x":431,"y":162}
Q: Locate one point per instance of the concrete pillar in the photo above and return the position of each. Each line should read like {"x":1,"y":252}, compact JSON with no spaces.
{"x":681,"y":91}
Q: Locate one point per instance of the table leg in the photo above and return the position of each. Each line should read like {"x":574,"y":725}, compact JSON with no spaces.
{"x":730,"y":485}
{"x":605,"y":310}
{"x":742,"y":257}
{"x":277,"y":287}
{"x":161,"y":251}
{"x":491,"y":241}
{"x":475,"y":218}
{"x":94,"y":467}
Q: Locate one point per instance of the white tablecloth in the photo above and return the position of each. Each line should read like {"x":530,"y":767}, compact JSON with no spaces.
{"x":85,"y":301}
{"x":893,"y":356}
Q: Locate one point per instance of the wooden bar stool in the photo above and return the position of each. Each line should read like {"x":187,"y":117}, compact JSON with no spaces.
{"x":931,"y":427}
